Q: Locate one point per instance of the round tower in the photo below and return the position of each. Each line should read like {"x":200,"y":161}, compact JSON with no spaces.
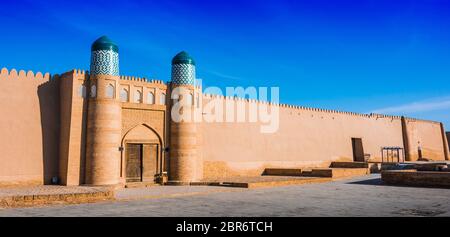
{"x":104,"y":121}
{"x":185,"y":164}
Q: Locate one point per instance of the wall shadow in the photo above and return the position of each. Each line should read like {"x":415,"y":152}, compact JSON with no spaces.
{"x":49,"y":107}
{"x":379,"y":182}
{"x":376,"y":181}
{"x":84,"y":130}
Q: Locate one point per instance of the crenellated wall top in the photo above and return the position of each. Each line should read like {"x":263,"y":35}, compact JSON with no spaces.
{"x":5,"y":74}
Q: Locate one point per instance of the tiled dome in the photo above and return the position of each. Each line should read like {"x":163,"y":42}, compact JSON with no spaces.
{"x":104,"y":43}
{"x":183,"y":69}
{"x":104,"y":57}
{"x":183,"y":58}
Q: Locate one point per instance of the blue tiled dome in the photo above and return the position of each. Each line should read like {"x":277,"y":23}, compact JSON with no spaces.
{"x":104,"y":57}
{"x":183,"y":58}
{"x":183,"y":69}
{"x":104,"y":43}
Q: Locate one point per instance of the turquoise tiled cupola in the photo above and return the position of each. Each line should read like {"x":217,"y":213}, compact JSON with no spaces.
{"x":183,"y":69}
{"x":104,"y":57}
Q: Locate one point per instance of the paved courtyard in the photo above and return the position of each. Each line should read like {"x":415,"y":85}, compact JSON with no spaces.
{"x":362,"y":196}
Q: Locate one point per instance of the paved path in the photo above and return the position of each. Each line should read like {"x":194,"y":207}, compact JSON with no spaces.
{"x":363,"y":196}
{"x":169,"y":192}
{"x":48,"y":190}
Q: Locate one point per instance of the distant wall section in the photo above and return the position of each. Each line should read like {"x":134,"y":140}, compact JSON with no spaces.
{"x":448,"y":143}
{"x":428,"y":136}
{"x":307,"y":137}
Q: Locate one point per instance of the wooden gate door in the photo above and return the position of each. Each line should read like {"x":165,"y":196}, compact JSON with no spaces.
{"x":134,"y":163}
{"x":150,"y":162}
{"x":358,"y":150}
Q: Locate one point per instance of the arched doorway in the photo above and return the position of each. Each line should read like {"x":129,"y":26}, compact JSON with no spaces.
{"x":141,"y":156}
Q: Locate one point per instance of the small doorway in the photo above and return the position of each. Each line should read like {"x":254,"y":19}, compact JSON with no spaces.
{"x":141,"y":162}
{"x":358,"y":150}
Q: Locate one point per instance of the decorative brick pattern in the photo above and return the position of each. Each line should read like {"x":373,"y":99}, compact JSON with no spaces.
{"x":183,"y":74}
{"x":134,"y":117}
{"x":105,"y":62}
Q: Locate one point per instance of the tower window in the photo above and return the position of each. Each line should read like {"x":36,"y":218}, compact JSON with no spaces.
{"x":150,"y":98}
{"x":138,"y":97}
{"x":110,"y":91}
{"x":162,"y":99}
{"x":93,"y":91}
{"x":82,"y":91}
{"x":124,"y":95}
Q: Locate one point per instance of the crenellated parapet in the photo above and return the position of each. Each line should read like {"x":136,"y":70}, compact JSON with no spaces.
{"x":409,"y":119}
{"x":142,"y":81}
{"x":80,"y":73}
{"x":23,"y":75}
{"x":132,"y":78}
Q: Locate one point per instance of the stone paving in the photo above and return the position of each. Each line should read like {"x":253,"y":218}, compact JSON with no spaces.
{"x":168,"y":192}
{"x":47,"y":194}
{"x":48,"y":190}
{"x":362,"y":196}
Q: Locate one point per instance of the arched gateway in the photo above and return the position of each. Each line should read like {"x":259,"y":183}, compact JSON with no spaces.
{"x":141,"y":156}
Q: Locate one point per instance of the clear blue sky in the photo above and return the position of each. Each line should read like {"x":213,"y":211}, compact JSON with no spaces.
{"x":362,"y":56}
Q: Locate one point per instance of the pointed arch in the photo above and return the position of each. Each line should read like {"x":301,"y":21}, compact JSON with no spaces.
{"x":145,"y":136}
{"x":161,"y":141}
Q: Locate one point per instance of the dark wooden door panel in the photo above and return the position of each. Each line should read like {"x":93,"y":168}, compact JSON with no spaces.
{"x":358,"y":150}
{"x":134,"y":162}
{"x":150,"y":161}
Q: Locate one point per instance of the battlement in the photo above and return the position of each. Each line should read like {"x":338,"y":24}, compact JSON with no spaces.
{"x":80,"y":72}
{"x":76,"y":73}
{"x":409,"y":119}
{"x":140,"y":81}
{"x":132,"y":78}
{"x":157,"y":82}
{"x":22,"y":75}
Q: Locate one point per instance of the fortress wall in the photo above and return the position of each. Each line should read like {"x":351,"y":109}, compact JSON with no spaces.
{"x":306,"y":138}
{"x":73,"y":102}
{"x":448,"y":141}
{"x":445,"y":143}
{"x":429,"y":135}
{"x":66,"y":93}
{"x":29,"y":125}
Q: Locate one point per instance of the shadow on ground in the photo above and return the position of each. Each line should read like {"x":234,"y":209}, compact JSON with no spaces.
{"x":376,"y":181}
{"x":379,"y":182}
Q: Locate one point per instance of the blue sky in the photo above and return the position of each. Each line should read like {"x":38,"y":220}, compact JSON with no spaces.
{"x":362,"y":56}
